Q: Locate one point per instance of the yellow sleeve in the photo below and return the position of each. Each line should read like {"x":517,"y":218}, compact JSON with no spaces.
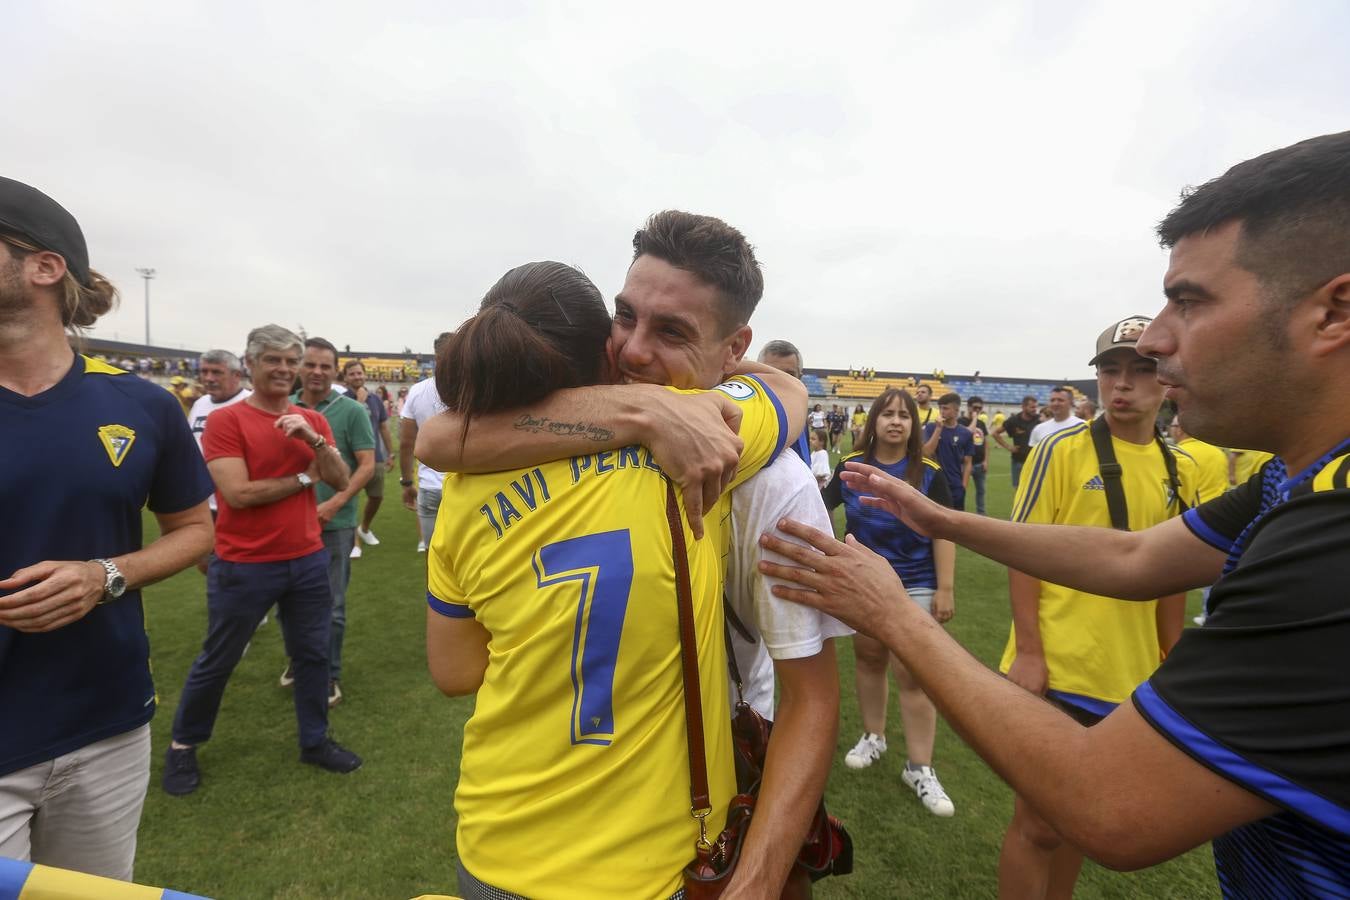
{"x":444,"y":594}
{"x":763,"y":423}
{"x":1037,"y":497}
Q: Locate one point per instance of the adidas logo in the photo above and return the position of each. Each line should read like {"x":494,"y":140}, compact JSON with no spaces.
{"x":1094,"y":483}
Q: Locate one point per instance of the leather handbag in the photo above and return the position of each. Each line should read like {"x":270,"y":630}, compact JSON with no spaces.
{"x":827,"y":849}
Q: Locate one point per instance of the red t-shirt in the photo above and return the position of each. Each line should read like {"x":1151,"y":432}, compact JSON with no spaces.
{"x":286,"y":529}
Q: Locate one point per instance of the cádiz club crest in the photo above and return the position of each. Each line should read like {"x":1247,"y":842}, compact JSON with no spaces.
{"x":117,"y":440}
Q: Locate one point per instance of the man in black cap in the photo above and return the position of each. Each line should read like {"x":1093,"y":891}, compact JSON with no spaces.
{"x":86,"y":447}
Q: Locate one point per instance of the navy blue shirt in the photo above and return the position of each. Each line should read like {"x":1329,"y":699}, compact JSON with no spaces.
{"x":908,"y":552}
{"x":77,"y":464}
{"x":953,"y":447}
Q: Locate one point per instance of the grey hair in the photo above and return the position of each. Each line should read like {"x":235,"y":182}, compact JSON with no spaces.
{"x":271,"y":337}
{"x":782,"y":348}
{"x":224,"y":358}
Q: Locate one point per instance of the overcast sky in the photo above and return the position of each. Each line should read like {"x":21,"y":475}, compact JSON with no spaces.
{"x":965,"y":186}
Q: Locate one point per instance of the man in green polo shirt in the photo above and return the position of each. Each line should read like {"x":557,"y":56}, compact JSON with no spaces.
{"x":337,"y":509}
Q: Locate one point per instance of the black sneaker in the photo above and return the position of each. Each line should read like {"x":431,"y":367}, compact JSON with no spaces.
{"x":329,"y":754}
{"x":181,"y":775}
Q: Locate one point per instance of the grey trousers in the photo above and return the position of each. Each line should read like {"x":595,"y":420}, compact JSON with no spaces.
{"x":79,"y":811}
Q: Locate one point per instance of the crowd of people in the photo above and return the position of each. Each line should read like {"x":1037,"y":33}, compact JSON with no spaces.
{"x":642,"y":454}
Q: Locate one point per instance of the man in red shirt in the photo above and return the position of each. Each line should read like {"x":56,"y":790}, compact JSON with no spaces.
{"x":265,"y":455}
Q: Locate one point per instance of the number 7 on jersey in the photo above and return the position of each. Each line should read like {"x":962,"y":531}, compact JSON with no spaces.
{"x":603,"y":565}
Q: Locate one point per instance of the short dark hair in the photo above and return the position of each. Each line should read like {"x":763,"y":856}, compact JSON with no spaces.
{"x":949,"y":397}
{"x":321,"y":344}
{"x":974,"y":398}
{"x":1061,"y":389}
{"x":351,"y":364}
{"x":1031,"y":397}
{"x":712,"y":250}
{"x":1294,"y":208}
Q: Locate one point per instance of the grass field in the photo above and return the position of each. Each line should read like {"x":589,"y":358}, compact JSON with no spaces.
{"x":262,"y":825}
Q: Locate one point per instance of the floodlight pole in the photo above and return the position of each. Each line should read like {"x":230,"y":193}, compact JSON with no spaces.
{"x":147,"y":274}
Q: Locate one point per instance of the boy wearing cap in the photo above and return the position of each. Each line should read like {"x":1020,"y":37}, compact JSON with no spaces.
{"x":1085,"y":653}
{"x":86,"y":446}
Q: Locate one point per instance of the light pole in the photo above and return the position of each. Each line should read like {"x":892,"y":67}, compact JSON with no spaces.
{"x":147,"y":274}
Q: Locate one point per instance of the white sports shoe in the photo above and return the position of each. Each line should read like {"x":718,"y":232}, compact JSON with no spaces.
{"x":924,"y":782}
{"x":356,"y":551}
{"x":867,"y":751}
{"x":367,"y":537}
{"x":421,"y":546}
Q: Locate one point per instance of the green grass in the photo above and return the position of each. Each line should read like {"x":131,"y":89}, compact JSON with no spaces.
{"x":262,"y":825}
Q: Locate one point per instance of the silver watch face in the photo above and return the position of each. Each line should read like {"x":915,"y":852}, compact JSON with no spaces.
{"x":116,"y":586}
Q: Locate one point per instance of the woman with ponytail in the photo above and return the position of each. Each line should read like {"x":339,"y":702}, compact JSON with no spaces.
{"x":552,"y":597}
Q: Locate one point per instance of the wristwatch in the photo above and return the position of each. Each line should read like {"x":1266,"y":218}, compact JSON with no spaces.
{"x":305,"y":480}
{"x":320,"y":443}
{"x":114,"y":585}
{"x":406,"y":482}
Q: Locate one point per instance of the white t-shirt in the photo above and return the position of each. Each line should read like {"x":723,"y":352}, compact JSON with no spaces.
{"x":817,"y":419}
{"x":203,"y":408}
{"x":820,"y":464}
{"x":785,"y":630}
{"x":421,"y":404}
{"x":1050,"y":426}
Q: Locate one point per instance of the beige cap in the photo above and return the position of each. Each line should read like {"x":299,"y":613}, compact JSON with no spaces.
{"x":1125,"y":333}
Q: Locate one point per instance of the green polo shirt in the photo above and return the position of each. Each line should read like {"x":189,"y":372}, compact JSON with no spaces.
{"x":350,"y":422}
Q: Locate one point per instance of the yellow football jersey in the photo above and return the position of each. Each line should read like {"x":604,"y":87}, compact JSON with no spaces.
{"x":1095,"y":646}
{"x":574,"y":778}
{"x":1248,"y":463}
{"x":1212,"y":464}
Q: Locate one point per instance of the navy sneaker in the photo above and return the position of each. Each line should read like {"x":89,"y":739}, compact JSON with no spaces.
{"x":181,"y":775}
{"x":329,"y":754}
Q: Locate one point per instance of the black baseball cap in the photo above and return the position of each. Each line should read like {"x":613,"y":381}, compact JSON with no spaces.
{"x":28,"y":212}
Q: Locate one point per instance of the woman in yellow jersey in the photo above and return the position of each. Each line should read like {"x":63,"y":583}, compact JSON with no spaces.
{"x":551,"y":595}
{"x":859,"y":422}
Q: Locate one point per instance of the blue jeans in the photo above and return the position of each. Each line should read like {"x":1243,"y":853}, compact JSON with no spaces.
{"x":977,"y":475}
{"x":338,"y":543}
{"x":1017,"y":472}
{"x":237,"y":596}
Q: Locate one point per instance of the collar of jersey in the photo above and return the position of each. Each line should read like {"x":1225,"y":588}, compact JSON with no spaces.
{"x":1311,"y":471}
{"x":318,"y":407}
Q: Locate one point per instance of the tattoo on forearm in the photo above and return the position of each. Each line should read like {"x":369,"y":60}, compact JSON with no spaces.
{"x":586,"y":431}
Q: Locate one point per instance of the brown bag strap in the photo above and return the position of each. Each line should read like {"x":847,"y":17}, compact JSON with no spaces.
{"x":700,"y":805}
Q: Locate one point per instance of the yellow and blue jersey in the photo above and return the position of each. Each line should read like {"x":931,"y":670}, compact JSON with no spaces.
{"x":1098,"y":648}
{"x":25,"y":881}
{"x":1211,"y":463}
{"x":574,"y":777}
{"x":78,"y":463}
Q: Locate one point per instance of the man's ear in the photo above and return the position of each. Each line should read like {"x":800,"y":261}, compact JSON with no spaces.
{"x":46,"y":268}
{"x":1329,"y":311}
{"x":737,"y":344}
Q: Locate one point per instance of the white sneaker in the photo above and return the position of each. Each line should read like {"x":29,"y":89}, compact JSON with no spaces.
{"x":925,"y":784}
{"x":367,"y":537}
{"x":421,"y":546}
{"x":867,"y":751}
{"x":356,"y":551}
{"x":1199,"y":620}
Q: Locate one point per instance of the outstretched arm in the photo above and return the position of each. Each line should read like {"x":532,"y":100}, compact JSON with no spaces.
{"x":692,"y":437}
{"x":1119,"y":791}
{"x":1132,"y":565}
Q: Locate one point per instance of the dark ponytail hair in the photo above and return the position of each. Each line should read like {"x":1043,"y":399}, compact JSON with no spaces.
{"x":913,"y":446}
{"x":541,"y":327}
